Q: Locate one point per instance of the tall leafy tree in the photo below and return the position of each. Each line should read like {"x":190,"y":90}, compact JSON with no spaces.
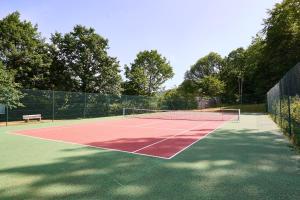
{"x":177,"y":99}
{"x":281,"y":44}
{"x":211,"y":86}
{"x":253,"y":71}
{"x":208,"y":65}
{"x":234,"y":72}
{"x":202,"y":78}
{"x":256,"y":73}
{"x":282,"y":31}
{"x":147,"y":73}
{"x":189,"y":87}
{"x":23,"y":50}
{"x":9,"y":90}
{"x":81,"y":62}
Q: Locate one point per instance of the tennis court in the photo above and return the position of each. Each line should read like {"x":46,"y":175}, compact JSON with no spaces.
{"x":155,"y":133}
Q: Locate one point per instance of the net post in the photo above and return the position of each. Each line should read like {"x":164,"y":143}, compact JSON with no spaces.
{"x":222,"y":113}
{"x":239,"y":114}
{"x":123,"y":112}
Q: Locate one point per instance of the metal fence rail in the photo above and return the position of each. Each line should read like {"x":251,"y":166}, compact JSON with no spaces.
{"x":284,"y":103}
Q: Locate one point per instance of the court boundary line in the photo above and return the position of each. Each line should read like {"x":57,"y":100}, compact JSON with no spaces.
{"x":185,"y":148}
{"x":169,"y":129}
{"x":52,"y":125}
{"x":123,"y":151}
{"x":180,"y":133}
{"x":146,"y":124}
{"x":85,"y":145}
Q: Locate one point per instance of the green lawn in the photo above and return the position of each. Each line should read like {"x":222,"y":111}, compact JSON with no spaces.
{"x":248,"y":108}
{"x":246,"y":160}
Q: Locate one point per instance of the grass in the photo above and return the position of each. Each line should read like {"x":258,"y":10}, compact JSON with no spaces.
{"x":283,"y":123}
{"x":245,"y":160}
{"x":248,"y":108}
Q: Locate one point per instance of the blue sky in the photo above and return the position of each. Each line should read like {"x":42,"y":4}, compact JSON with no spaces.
{"x":181,"y":30}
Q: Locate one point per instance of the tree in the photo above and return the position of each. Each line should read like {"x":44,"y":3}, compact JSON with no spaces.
{"x":189,"y":87}
{"x":210,"y":86}
{"x":9,"y":90}
{"x":23,"y":50}
{"x":256,"y":73}
{"x":234,"y":71}
{"x":81,"y":63}
{"x":280,"y":46}
{"x":175,"y":99}
{"x":206,"y":69}
{"x":147,"y":73}
{"x":205,"y":66}
{"x":282,"y":37}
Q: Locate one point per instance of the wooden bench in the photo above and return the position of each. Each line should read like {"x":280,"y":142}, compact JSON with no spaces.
{"x":28,"y":117}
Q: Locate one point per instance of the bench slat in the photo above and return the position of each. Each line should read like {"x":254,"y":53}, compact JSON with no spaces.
{"x":36,"y":116}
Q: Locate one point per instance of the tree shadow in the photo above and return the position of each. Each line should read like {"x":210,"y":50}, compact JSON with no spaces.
{"x":229,"y":164}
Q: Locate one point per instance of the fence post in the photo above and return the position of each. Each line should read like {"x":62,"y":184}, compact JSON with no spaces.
{"x":289,"y":113}
{"x":52,"y":105}
{"x":6,"y":115}
{"x":280,"y":116}
{"x":84,"y":109}
{"x":108,"y":105}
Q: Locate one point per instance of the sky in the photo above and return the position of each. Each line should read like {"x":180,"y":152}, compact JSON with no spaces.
{"x":181,"y":30}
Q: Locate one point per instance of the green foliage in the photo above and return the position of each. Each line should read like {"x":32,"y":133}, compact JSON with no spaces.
{"x":255,"y":87}
{"x":282,"y":30}
{"x":147,"y":73}
{"x":248,"y":108}
{"x":281,"y":45}
{"x":189,"y":87}
{"x":174,"y":99}
{"x":81,"y":63}
{"x":206,"y":66}
{"x":235,"y":63}
{"x":251,"y":72}
{"x":233,"y":73}
{"x":202,"y":78}
{"x":295,"y":109}
{"x":210,"y":86}
{"x":287,"y":115}
{"x":23,"y":50}
{"x":9,"y":90}
{"x":78,"y":61}
{"x":72,"y":105}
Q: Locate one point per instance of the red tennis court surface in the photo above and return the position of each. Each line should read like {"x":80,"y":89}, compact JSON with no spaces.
{"x":150,"y":137}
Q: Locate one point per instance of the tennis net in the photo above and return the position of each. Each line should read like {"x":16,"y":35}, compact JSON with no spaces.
{"x":192,"y":115}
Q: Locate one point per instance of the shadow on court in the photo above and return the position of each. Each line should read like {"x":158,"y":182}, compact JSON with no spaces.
{"x":229,"y":164}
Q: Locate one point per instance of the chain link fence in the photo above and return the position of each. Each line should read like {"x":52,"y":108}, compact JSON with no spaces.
{"x":284,"y":103}
{"x":57,"y":105}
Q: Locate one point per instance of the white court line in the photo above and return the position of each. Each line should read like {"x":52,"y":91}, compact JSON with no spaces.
{"x":111,"y":149}
{"x":145,"y":124}
{"x":86,"y":145}
{"x":76,"y":122}
{"x":150,"y":127}
{"x":180,"y":133}
{"x":196,"y":141}
{"x":87,"y":122}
